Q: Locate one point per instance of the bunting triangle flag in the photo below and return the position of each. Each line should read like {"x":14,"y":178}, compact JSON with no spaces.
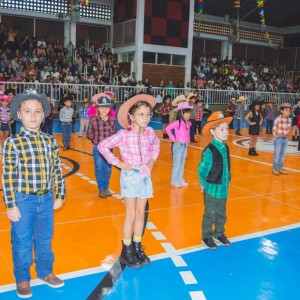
{"x":85,"y":3}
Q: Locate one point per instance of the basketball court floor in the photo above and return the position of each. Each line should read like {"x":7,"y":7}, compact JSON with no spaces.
{"x":263,"y":224}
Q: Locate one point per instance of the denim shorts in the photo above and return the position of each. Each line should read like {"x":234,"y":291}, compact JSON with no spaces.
{"x":134,"y":185}
{"x":4,"y":127}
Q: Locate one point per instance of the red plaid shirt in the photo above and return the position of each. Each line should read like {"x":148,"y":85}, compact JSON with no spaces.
{"x":99,"y":130}
{"x":281,"y":126}
{"x":165,"y":109}
{"x":199,"y":114}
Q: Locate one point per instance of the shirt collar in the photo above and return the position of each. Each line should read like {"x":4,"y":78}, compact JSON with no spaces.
{"x":25,"y":132}
{"x":218,"y":144}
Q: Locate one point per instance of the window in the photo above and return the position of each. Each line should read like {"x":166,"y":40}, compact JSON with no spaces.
{"x":178,"y":60}
{"x":163,"y":59}
{"x":149,"y":57}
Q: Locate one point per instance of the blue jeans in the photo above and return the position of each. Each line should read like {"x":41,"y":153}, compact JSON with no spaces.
{"x":239,"y":124}
{"x":66,"y":129}
{"x":35,"y":228}
{"x":280,"y":146}
{"x":179,"y":155}
{"x":269,"y":126}
{"x":102,"y":170}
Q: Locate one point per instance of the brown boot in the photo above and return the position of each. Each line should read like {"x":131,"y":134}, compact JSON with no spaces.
{"x":283,"y":172}
{"x":108,"y":193}
{"x":102,"y":194}
{"x":275,"y":172}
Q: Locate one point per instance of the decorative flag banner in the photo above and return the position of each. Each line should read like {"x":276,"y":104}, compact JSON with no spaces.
{"x":263,"y":26}
{"x":85,"y":3}
{"x":237,"y":6}
{"x":200,"y":6}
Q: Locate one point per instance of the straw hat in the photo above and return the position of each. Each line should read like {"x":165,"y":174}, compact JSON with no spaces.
{"x":241,"y":99}
{"x":183,"y":105}
{"x":191,"y":95}
{"x":214,"y":119}
{"x":125,"y":107}
{"x":178,"y":99}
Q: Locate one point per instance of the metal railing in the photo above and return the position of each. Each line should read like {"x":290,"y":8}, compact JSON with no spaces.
{"x":123,"y":93}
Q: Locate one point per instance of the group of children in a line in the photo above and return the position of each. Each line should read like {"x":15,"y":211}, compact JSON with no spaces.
{"x":28,"y":183}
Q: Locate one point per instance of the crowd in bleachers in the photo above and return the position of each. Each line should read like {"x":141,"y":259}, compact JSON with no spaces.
{"x":210,"y":72}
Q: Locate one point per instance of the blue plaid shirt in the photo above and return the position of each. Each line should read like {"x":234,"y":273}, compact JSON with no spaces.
{"x":83,"y":112}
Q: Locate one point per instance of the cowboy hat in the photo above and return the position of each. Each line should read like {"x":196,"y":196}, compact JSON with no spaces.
{"x":178,"y":99}
{"x":183,"y":105}
{"x":191,"y":95}
{"x":285,"y":105}
{"x":241,"y":99}
{"x":125,"y":107}
{"x":5,"y":98}
{"x":104,"y":101}
{"x":29,"y":94}
{"x":96,"y":97}
{"x":214,"y":119}
{"x":110,"y":94}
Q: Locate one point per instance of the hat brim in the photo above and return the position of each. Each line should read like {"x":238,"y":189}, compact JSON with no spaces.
{"x":210,"y":124}
{"x":19,"y":98}
{"x":176,"y":101}
{"x":125,"y":107}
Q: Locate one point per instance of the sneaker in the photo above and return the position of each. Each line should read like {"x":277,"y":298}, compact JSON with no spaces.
{"x":80,"y":137}
{"x":176,"y":185}
{"x":65,"y":148}
{"x":53,"y":281}
{"x":275,"y":172}
{"x":108,"y":193}
{"x":24,"y":290}
{"x":223,"y":240}
{"x":184,"y":184}
{"x":103,"y":193}
{"x":209,"y":242}
{"x":283,"y":172}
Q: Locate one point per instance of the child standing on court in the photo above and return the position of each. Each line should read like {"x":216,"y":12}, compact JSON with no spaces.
{"x":214,"y":175}
{"x":31,"y":169}
{"x":165,"y":110}
{"x":139,"y":149}
{"x":100,"y":127}
{"x":83,"y":116}
{"x":180,"y":138}
{"x":5,"y":119}
{"x":254,"y":119}
{"x":199,"y":116}
{"x":66,"y":119}
{"x":281,"y":128}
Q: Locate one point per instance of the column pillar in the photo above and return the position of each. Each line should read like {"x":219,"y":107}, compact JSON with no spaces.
{"x":139,"y":42}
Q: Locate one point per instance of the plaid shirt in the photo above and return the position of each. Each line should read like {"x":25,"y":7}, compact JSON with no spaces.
{"x":165,"y":109}
{"x":98,"y":129}
{"x":199,"y":114}
{"x":219,"y":191}
{"x":66,"y":114}
{"x":83,"y":112}
{"x":281,"y":126}
{"x":135,"y":148}
{"x":31,"y":163}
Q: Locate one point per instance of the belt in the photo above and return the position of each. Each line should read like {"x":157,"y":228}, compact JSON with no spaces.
{"x":67,"y":122}
{"x":40,"y":193}
{"x":283,"y":136}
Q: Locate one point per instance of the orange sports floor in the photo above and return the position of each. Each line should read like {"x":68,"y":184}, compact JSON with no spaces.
{"x":88,"y":229}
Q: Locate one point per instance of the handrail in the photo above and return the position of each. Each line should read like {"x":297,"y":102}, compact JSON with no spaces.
{"x":123,"y":93}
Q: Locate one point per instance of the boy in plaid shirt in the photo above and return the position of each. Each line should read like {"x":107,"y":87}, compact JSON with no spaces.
{"x":31,"y":168}
{"x":83,"y":115}
{"x":101,"y":126}
{"x":280,"y":130}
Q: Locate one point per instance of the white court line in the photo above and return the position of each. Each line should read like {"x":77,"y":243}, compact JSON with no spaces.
{"x":178,"y":261}
{"x":75,"y":274}
{"x":150,"y":225}
{"x":197,"y":295}
{"x":158,"y":235}
{"x":188,"y":277}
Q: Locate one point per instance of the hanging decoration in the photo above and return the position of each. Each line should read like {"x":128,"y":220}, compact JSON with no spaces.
{"x":200,"y":6}
{"x":263,"y":26}
{"x":236,"y":29}
{"x":85,"y":3}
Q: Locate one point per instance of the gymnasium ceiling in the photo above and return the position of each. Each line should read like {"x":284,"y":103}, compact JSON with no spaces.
{"x":278,"y":13}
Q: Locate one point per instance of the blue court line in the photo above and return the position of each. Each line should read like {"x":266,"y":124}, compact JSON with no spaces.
{"x":266,"y":267}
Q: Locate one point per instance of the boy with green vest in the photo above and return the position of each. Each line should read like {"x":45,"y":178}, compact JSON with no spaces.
{"x":214,"y":175}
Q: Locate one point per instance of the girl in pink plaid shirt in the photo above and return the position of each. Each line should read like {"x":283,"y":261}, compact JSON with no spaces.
{"x":139,"y":149}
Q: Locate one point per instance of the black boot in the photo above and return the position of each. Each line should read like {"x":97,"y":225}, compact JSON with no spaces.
{"x":140,"y":254}
{"x":254,"y":152}
{"x":165,"y":136}
{"x":250,"y":152}
{"x":293,"y":138}
{"x":128,"y":257}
